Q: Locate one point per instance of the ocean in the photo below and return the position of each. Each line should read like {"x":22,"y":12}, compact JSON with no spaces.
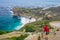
{"x":8,"y":22}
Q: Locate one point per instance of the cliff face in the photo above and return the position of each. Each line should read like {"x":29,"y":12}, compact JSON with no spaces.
{"x":27,"y":12}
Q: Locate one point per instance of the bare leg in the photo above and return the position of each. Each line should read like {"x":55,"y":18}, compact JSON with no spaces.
{"x":46,"y":38}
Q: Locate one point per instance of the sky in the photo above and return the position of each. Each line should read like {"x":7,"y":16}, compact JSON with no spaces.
{"x":29,"y":3}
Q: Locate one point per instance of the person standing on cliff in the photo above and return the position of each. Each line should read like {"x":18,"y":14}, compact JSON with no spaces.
{"x":46,"y":30}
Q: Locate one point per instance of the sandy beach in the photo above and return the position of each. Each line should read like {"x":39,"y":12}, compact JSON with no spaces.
{"x":24,"y":22}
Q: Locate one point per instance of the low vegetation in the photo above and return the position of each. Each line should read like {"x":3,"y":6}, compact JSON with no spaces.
{"x":3,"y":32}
{"x":27,"y":12}
{"x":36,"y":26}
{"x":22,"y":37}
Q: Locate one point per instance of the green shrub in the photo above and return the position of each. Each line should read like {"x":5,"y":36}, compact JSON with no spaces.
{"x":51,"y":28}
{"x":22,"y":37}
{"x":46,"y":22}
{"x":57,"y":30}
{"x":13,"y":38}
{"x":30,"y":28}
{"x":3,"y":32}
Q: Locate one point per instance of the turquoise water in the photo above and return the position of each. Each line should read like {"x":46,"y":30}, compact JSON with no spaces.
{"x":7,"y":21}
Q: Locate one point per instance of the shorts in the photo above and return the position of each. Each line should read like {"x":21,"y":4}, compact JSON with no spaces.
{"x":47,"y":33}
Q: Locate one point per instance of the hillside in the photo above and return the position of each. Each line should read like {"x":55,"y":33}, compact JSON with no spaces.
{"x":37,"y":12}
{"x":27,"y":12}
{"x":55,"y":11}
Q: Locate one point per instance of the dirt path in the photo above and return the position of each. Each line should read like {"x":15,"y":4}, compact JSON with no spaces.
{"x":56,"y":24}
{"x":57,"y":37}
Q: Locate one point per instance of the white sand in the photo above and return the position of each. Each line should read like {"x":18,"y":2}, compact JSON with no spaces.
{"x":24,"y":22}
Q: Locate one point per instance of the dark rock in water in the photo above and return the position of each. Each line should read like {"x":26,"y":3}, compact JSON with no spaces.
{"x":16,"y":19}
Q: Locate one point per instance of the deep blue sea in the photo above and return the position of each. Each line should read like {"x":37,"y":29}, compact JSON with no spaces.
{"x":7,"y":21}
